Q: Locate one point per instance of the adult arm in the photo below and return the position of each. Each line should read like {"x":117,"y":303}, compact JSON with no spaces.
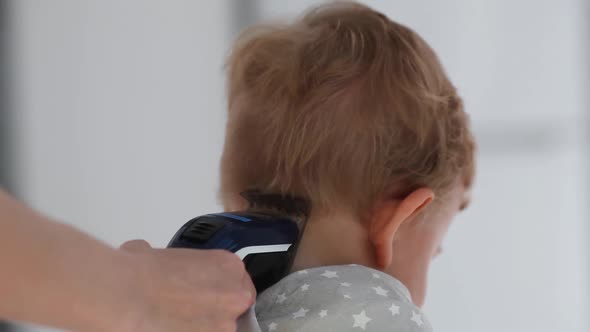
{"x":55,"y":275}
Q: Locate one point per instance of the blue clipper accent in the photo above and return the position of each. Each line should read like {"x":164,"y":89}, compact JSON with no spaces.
{"x":233,"y":216}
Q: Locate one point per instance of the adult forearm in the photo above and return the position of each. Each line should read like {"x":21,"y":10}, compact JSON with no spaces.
{"x":55,"y":275}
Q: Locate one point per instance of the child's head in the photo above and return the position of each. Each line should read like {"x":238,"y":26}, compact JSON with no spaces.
{"x":355,"y":113}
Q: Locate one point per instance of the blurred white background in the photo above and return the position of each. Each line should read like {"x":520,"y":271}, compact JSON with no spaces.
{"x":118,"y":116}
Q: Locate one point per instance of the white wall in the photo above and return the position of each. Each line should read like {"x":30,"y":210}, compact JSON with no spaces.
{"x":120,"y":116}
{"x":120,"y":110}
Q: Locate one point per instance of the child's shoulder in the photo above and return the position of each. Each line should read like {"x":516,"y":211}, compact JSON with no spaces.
{"x":339,"y":298}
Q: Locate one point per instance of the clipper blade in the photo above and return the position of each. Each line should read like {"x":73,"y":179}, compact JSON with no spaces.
{"x":283,"y":205}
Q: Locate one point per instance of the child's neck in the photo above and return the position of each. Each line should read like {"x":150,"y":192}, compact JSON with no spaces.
{"x":336,"y":239}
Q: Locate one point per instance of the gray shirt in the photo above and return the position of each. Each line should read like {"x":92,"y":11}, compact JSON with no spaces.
{"x":338,"y":298}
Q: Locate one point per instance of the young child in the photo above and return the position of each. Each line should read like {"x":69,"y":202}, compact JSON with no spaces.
{"x":355,"y":113}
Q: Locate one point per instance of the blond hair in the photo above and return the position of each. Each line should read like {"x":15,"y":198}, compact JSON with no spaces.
{"x":341,"y":107}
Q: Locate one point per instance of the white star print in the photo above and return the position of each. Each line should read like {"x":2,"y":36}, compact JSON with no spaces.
{"x":304,"y":287}
{"x":344,"y":284}
{"x":347,"y":296}
{"x":281,"y":298}
{"x":376,"y":276}
{"x":380,"y":291}
{"x":361,"y":320}
{"x":330,"y":274}
{"x":394,"y":309}
{"x":272,"y":326}
{"x":416,"y":318}
{"x":300,"y":313}
{"x":323,"y":313}
{"x":302,"y":272}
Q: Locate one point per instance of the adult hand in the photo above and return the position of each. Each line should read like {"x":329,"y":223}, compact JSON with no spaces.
{"x":57,"y":276}
{"x":185,"y":289}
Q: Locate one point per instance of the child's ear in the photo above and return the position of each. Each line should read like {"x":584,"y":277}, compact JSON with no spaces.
{"x":388,"y":216}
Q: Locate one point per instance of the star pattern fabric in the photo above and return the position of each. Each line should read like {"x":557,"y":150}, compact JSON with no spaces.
{"x":380,"y":291}
{"x":300,"y":313}
{"x":417,"y":318}
{"x":361,"y":320}
{"x":330,"y":274}
{"x":394,"y":309}
{"x":281,"y":298}
{"x":339,"y":298}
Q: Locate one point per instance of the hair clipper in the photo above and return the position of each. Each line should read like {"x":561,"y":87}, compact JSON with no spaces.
{"x":265,"y":236}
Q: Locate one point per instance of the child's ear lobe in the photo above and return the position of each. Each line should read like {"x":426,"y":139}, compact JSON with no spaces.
{"x":388,"y":216}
